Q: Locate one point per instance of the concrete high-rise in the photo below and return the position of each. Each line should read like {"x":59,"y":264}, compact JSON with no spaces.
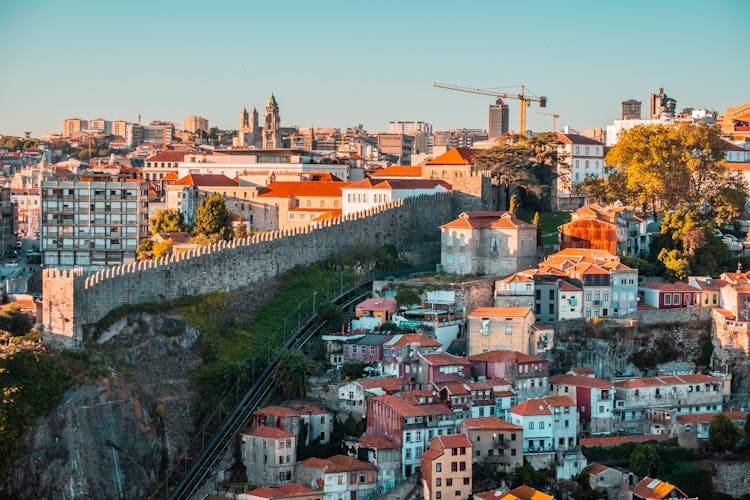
{"x":73,"y":125}
{"x":659,"y":104}
{"x":409,"y":128}
{"x":195,"y":123}
{"x":498,"y":119}
{"x":630,"y":110}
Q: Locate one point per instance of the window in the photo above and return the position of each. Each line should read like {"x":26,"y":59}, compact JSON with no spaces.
{"x":438,"y":467}
{"x":449,"y":482}
{"x":588,"y":295}
{"x":462,"y":466}
{"x":454,"y":466}
{"x":438,"y":494}
{"x":541,"y":424}
{"x":458,"y":493}
{"x":467,"y":480}
{"x":531,"y":425}
{"x":676,"y":299}
{"x":667,"y":299}
{"x":449,"y":241}
{"x":438,"y":482}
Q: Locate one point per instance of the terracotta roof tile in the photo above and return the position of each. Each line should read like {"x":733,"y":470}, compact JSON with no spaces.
{"x":456,"y":156}
{"x":277,"y":411}
{"x":398,"y":171}
{"x":504,"y":356}
{"x":171,"y":156}
{"x":378,"y":304}
{"x":281,"y":491}
{"x":377,"y":442}
{"x":454,"y":441}
{"x":655,"y":489}
{"x":269,"y":432}
{"x":444,"y":359}
{"x":617,"y":440}
{"x":708,"y":417}
{"x":490,"y":423}
{"x":407,"y":339}
{"x":499,"y":312}
{"x":486,"y":220}
{"x":320,"y":189}
{"x":215,"y":180}
{"x":581,"y":381}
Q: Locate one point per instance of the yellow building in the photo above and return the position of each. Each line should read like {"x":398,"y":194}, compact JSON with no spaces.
{"x":494,"y":328}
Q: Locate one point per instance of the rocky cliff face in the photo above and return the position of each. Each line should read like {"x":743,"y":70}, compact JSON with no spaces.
{"x":115,"y":438}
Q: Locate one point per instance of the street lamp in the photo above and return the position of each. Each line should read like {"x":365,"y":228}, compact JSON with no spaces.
{"x":315,"y":293}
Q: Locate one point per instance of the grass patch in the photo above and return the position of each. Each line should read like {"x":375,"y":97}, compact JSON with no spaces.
{"x":550,"y":222}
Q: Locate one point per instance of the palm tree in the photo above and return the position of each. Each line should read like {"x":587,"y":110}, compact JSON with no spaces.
{"x":292,"y":372}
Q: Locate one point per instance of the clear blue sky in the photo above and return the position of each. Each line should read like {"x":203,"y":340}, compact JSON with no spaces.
{"x":341,"y":63}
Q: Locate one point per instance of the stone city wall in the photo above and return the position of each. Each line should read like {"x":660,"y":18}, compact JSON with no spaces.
{"x":72,"y":298}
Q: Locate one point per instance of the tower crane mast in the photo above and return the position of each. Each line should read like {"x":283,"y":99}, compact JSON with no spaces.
{"x":523,"y":99}
{"x":554,"y":116}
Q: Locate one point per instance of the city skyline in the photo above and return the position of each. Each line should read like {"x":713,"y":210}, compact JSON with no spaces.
{"x":342,"y":64}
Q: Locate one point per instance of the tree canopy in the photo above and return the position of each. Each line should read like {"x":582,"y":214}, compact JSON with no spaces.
{"x":168,"y":220}
{"x":670,"y":167}
{"x":722,"y":434}
{"x":292,"y":372}
{"x":645,"y":460}
{"x":213,"y":218}
{"x":689,"y":246}
{"x":522,"y":165}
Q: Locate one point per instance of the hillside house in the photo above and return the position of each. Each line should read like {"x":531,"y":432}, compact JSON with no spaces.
{"x":495,"y":441}
{"x":527,"y":374}
{"x":487,"y":243}
{"x":339,"y":476}
{"x":493,"y":328}
{"x":670,"y":295}
{"x":594,"y":399}
{"x":269,"y":455}
{"x":447,"y":467}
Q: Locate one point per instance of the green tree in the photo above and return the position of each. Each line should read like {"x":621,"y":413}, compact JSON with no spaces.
{"x":293,"y":371}
{"x":213,"y":218}
{"x":407,"y":297}
{"x":240,"y":231}
{"x":162,"y":248}
{"x":747,"y":426}
{"x":537,"y":221}
{"x":678,"y":166}
{"x":168,"y":220}
{"x":331,"y":314}
{"x":722,"y":434}
{"x":644,"y":460}
{"x":513,"y":206}
{"x":145,"y":250}
{"x":522,"y":165}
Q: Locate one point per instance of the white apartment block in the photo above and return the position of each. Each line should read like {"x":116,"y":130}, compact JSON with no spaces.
{"x":579,"y":157}
{"x":92,"y":224}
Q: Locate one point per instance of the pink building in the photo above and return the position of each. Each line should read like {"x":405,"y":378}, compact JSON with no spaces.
{"x":441,"y":367}
{"x":670,"y":295}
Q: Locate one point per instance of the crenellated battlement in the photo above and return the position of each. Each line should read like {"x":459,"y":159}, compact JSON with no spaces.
{"x":73,"y":298}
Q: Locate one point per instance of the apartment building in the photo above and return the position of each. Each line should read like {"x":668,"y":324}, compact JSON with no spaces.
{"x":579,"y":157}
{"x":269,"y":455}
{"x":493,"y":328}
{"x":447,"y":468}
{"x":495,"y":441}
{"x":92,"y":222}
{"x":593,"y":397}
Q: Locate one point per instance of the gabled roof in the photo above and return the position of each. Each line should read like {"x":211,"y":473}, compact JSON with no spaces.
{"x":695,"y":418}
{"x":577,"y":139}
{"x":490,"y":424}
{"x":378,"y":304}
{"x":214,"y":180}
{"x":276,"y":411}
{"x":504,"y":356}
{"x":281,"y":491}
{"x":369,"y":339}
{"x":651,"y":488}
{"x":377,"y":442}
{"x":322,"y":189}
{"x":406,"y":409}
{"x":337,"y":463}
{"x":453,"y":441}
{"x":407,"y":339}
{"x":398,"y":171}
{"x":523,"y":492}
{"x":581,"y":381}
{"x":694,"y":378}
{"x":486,"y":220}
{"x":389,"y":384}
{"x":399,"y":184}
{"x":456,"y":156}
{"x":269,"y":432}
{"x":541,"y":406}
{"x":597,"y":468}
{"x":444,"y":359}
{"x":671,"y":287}
{"x":500,"y":312}
{"x":171,"y":156}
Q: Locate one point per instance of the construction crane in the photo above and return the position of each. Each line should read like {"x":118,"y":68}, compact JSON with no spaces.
{"x":522,"y":98}
{"x":554,"y":116}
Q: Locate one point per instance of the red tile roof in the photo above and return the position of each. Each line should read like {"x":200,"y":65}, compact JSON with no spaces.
{"x":337,"y":463}
{"x":320,"y":189}
{"x":269,"y":432}
{"x":671,"y":287}
{"x":398,"y":171}
{"x":695,"y":418}
{"x":391,"y":184}
{"x":486,"y":220}
{"x":456,"y":156}
{"x":170,"y":156}
{"x":581,"y":381}
{"x":531,"y":407}
{"x":392,"y":384}
{"x":523,"y":492}
{"x":651,"y":488}
{"x":407,"y":339}
{"x":490,"y":424}
{"x":378,"y":304}
{"x":303,"y":408}
{"x":444,"y":359}
{"x":696,"y":378}
{"x":504,"y":356}
{"x":617,"y":440}
{"x":577,"y":139}
{"x":596,"y":468}
{"x":377,"y":442}
{"x":214,"y":180}
{"x":406,"y":409}
{"x":454,"y":441}
{"x":281,"y":491}
{"x":500,"y":312}
{"x":277,"y":411}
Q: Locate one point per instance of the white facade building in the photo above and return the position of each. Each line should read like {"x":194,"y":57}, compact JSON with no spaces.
{"x":369,"y":193}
